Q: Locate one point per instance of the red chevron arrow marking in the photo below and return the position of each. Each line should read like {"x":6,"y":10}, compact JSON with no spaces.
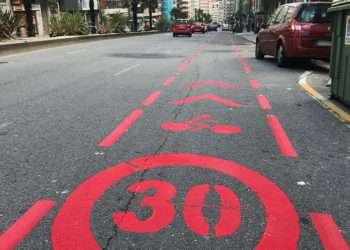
{"x":213,"y":82}
{"x":210,"y":97}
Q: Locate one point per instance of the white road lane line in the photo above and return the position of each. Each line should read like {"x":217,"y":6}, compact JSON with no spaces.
{"x":126,"y":70}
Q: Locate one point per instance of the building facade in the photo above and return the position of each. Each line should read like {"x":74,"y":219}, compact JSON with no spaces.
{"x":216,"y":11}
{"x":5,"y":5}
{"x":77,"y":5}
{"x":204,"y":5}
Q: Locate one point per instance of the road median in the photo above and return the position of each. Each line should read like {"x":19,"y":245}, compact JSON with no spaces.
{"x":18,"y":46}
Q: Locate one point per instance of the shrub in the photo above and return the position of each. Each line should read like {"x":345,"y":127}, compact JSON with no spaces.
{"x":163,"y":25}
{"x":8,"y":24}
{"x":68,"y":24}
{"x":56,"y":27}
{"x":117,"y":22}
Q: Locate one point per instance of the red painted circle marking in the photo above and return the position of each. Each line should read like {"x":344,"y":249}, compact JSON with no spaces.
{"x":71,"y":228}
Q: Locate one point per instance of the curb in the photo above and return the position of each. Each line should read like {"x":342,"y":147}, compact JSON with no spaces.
{"x":323,"y":101}
{"x":12,"y":48}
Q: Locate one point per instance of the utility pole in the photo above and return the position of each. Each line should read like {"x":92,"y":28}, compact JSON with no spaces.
{"x":29,"y":17}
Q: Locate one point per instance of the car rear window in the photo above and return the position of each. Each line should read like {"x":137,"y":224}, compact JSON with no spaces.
{"x":179,"y":21}
{"x":314,"y":13}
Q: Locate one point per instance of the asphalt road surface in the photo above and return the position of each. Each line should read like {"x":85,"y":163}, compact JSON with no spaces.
{"x":157,"y":142}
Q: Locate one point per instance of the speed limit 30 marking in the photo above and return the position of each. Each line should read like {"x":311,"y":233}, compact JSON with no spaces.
{"x":71,"y":228}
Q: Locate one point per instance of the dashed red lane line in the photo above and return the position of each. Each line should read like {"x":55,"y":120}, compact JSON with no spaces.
{"x":25,"y":224}
{"x":169,"y":80}
{"x":151,"y":98}
{"x":182,"y":68}
{"x":121,"y":129}
{"x":264,"y":103}
{"x":281,"y":137}
{"x":329,"y":233}
{"x":254,"y":84}
{"x":247,"y":69}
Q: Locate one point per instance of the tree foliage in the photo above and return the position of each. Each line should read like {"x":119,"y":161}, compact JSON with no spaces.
{"x":117,"y":22}
{"x":177,"y":13}
{"x":163,"y":25}
{"x":68,"y":24}
{"x":8,"y":24}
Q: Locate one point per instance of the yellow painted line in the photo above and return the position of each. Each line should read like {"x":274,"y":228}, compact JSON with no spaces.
{"x":336,"y":110}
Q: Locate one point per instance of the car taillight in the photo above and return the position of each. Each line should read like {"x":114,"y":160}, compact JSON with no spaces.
{"x":295,"y":26}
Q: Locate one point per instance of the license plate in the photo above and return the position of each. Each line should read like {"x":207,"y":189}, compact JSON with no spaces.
{"x":322,"y":43}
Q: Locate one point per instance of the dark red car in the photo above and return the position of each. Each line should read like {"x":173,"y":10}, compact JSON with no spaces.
{"x":297,"y":30}
{"x":182,"y":27}
{"x":198,"y":27}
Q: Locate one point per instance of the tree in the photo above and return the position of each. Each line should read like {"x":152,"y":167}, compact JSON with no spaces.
{"x":29,"y":17}
{"x":53,"y":6}
{"x":176,"y":13}
{"x":207,"y":18}
{"x":151,"y":5}
{"x":92,"y":16}
{"x":134,"y":5}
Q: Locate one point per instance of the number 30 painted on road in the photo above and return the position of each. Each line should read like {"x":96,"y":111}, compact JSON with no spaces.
{"x":164,"y":211}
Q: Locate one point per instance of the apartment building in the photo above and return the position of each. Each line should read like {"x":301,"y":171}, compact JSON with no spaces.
{"x":216,"y":11}
{"x":185,"y":6}
{"x":204,"y":5}
{"x":229,"y":7}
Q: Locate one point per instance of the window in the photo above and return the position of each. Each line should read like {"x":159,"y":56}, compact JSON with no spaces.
{"x":289,"y":15}
{"x":273,"y":17}
{"x":314,"y":13}
{"x":114,"y":4}
{"x":281,"y":15}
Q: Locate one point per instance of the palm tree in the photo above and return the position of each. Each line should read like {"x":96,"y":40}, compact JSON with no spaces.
{"x":152,"y":5}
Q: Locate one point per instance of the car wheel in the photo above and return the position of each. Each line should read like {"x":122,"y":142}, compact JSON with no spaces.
{"x":258,"y":52}
{"x":280,"y":56}
{"x":174,"y":35}
{"x":189,"y":35}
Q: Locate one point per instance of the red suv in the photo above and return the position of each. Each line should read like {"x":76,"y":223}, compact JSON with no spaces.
{"x":298,"y":30}
{"x":182,"y":27}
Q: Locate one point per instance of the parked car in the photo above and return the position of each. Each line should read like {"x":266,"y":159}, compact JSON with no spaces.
{"x":198,"y":27}
{"x":182,"y":27}
{"x":205,"y":27}
{"x":297,"y":30}
{"x":213,"y":27}
{"x":225,"y":27}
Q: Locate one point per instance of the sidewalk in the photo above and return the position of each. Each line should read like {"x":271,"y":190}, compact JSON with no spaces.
{"x":28,"y":44}
{"x":317,"y":85}
{"x":250,"y":36}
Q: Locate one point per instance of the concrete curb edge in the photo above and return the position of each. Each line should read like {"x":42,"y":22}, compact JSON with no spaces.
{"x":323,"y":101}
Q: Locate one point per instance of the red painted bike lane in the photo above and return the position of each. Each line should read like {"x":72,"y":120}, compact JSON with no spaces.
{"x":71,"y":228}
